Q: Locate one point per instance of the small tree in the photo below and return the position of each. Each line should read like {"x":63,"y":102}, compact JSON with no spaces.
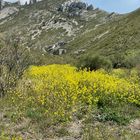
{"x":14,"y":59}
{"x":33,"y":1}
{"x":0,"y":4}
{"x":26,"y":3}
{"x":95,"y":62}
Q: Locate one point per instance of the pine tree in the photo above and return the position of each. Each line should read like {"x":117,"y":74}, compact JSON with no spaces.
{"x":26,"y":3}
{"x":33,"y":1}
{"x":30,"y":2}
{"x":0,"y":4}
{"x":18,"y":2}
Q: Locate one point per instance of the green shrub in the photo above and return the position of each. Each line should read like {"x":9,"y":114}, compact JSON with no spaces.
{"x":95,"y":62}
{"x":131,"y":62}
{"x":124,"y":61}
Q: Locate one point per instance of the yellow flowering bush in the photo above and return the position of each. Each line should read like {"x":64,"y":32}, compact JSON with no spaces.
{"x":61,"y":89}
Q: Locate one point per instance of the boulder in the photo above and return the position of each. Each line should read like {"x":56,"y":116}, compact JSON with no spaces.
{"x":90,"y":7}
{"x":62,"y":51}
{"x":61,"y":43}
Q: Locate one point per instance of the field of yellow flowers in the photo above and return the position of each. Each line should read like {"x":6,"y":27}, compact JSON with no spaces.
{"x":59,"y":91}
{"x":48,"y":98}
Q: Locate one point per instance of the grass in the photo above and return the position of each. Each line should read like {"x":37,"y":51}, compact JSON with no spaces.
{"x":105,"y":131}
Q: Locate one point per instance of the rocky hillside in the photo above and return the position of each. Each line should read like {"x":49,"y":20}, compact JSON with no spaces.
{"x":72,"y":28}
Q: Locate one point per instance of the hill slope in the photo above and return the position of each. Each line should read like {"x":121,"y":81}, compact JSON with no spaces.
{"x":74,"y":32}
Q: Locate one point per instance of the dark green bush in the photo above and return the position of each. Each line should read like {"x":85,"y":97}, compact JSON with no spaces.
{"x":117,"y":60}
{"x":122,"y":60}
{"x":95,"y":62}
{"x":131,"y":62}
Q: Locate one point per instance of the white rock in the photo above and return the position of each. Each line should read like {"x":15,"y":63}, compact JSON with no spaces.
{"x":6,"y":12}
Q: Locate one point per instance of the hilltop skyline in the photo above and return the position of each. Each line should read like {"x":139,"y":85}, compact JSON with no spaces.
{"x":120,"y":6}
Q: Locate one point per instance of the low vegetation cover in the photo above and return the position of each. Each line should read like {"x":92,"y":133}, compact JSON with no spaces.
{"x":59,"y":94}
{"x":59,"y":91}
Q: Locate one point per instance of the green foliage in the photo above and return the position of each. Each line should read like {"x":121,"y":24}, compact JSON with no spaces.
{"x":95,"y":62}
{"x":131,"y":62}
{"x":14,"y":59}
{"x":124,"y":61}
{"x":108,"y":114}
{"x":3,"y":136}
